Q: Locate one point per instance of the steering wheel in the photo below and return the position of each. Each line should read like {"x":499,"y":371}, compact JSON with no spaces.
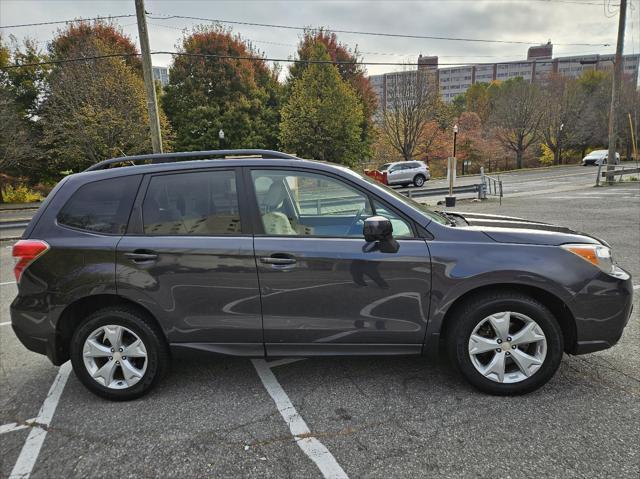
{"x":359,"y":215}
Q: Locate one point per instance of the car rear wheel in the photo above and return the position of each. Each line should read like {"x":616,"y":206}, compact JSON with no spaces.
{"x":506,"y":343}
{"x":419,"y":180}
{"x":118,"y":354}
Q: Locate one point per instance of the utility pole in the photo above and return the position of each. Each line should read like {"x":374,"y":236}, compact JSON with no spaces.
{"x":615,"y":95}
{"x":147,"y":73}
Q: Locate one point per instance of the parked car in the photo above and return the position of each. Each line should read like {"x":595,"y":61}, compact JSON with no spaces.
{"x":267,"y":255}
{"x":406,"y":173}
{"x":598,"y":157}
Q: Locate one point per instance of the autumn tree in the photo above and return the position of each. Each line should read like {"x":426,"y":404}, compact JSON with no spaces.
{"x":205,"y":95}
{"x":413,"y":101}
{"x":93,"y":109}
{"x":516,"y":115}
{"x":80,"y":38}
{"x":347,"y":61}
{"x":323,"y":116}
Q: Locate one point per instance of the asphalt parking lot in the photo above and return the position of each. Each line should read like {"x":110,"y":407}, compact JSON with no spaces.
{"x":404,"y":417}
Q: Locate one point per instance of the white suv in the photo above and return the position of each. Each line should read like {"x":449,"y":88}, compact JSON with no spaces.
{"x":598,"y":157}
{"x":406,"y":172}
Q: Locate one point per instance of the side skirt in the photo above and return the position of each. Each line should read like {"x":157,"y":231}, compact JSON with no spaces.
{"x":275,"y":350}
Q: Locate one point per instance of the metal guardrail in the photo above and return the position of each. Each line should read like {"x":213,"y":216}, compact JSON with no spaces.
{"x":478,"y":188}
{"x":8,"y":225}
{"x":618,"y":170}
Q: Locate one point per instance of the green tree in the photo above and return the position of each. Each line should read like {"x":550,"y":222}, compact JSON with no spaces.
{"x":26,"y":84}
{"x":19,"y":93}
{"x":94,"y":109}
{"x":205,"y":95}
{"x":459,"y":104}
{"x":592,"y":124}
{"x":561,"y":107}
{"x":351,"y":71}
{"x":323,"y":116}
{"x":17,"y":151}
{"x":479,"y":97}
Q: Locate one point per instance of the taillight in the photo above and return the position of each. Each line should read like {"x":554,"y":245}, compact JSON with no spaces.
{"x":26,"y":252}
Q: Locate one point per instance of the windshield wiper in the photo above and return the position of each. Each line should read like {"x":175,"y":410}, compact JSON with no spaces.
{"x":447,"y":217}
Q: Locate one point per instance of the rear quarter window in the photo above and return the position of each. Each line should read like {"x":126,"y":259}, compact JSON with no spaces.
{"x":101,"y":206}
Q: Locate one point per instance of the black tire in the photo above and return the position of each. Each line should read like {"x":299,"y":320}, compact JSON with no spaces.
{"x":155,"y":344}
{"x":471,"y":313}
{"x":419,"y":180}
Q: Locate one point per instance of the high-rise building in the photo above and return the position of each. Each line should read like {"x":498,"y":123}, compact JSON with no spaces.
{"x":161,"y":74}
{"x":454,"y":81}
{"x":540,"y":52}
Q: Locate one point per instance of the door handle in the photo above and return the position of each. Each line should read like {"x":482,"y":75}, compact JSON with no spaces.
{"x":140,"y":257}
{"x":278,"y":261}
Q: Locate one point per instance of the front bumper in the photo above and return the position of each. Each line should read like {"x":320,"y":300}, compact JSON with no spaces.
{"x":602,"y":310}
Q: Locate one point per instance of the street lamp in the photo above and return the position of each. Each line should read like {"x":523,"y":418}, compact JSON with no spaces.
{"x":559,"y":144}
{"x":455,"y":136}
{"x":451,"y":200}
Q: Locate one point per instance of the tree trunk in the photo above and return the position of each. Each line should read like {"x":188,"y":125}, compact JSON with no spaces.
{"x":518,"y":159}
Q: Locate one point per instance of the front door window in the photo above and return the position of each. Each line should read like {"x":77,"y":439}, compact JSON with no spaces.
{"x":309,"y":204}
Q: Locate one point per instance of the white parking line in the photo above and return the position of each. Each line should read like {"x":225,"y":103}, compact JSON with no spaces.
{"x":7,"y":282}
{"x":5,"y":323}
{"x":33,"y":444}
{"x":313,"y":448}
{"x":282,"y":362}
{"x":14,"y":426}
{"x":636,"y":286}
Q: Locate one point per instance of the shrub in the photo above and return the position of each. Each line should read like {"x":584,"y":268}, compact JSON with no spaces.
{"x":20,"y":194}
{"x":546,"y":158}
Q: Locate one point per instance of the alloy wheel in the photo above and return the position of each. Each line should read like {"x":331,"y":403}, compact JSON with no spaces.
{"x":115,"y":357}
{"x":507,"y":347}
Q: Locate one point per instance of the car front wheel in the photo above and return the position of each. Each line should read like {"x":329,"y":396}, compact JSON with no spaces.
{"x":118,"y":354}
{"x":506,"y":343}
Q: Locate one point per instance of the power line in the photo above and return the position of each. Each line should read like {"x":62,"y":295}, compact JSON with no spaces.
{"x":298,"y":28}
{"x":279,"y":60}
{"x":75,"y":20}
{"x":377,"y":34}
{"x":70,"y":60}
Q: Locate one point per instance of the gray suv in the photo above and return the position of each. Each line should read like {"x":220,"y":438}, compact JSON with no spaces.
{"x":261,"y":254}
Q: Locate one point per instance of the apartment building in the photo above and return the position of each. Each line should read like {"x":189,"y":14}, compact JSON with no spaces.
{"x":454,"y":81}
{"x":161,"y":74}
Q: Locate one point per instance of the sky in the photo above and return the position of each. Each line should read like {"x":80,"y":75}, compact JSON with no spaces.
{"x":536,"y":21}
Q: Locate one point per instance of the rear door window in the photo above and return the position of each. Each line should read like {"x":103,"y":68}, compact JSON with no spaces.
{"x":101,"y":206}
{"x":203,"y":203}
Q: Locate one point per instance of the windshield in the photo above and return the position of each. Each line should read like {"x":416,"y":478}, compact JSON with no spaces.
{"x":422,"y":208}
{"x":385,"y":167}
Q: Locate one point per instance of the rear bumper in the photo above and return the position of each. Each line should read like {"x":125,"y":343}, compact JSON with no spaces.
{"x":602,"y":310}
{"x":36,"y":333}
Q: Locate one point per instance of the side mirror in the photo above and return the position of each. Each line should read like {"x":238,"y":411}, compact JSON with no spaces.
{"x":380,"y":229}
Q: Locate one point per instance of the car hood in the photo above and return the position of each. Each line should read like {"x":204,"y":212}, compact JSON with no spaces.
{"x":508,"y":229}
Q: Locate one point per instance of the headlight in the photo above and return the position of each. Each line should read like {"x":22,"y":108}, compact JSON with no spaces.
{"x":597,"y":255}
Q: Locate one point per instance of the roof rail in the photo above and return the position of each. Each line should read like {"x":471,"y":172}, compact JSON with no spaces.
{"x":171,"y":157}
